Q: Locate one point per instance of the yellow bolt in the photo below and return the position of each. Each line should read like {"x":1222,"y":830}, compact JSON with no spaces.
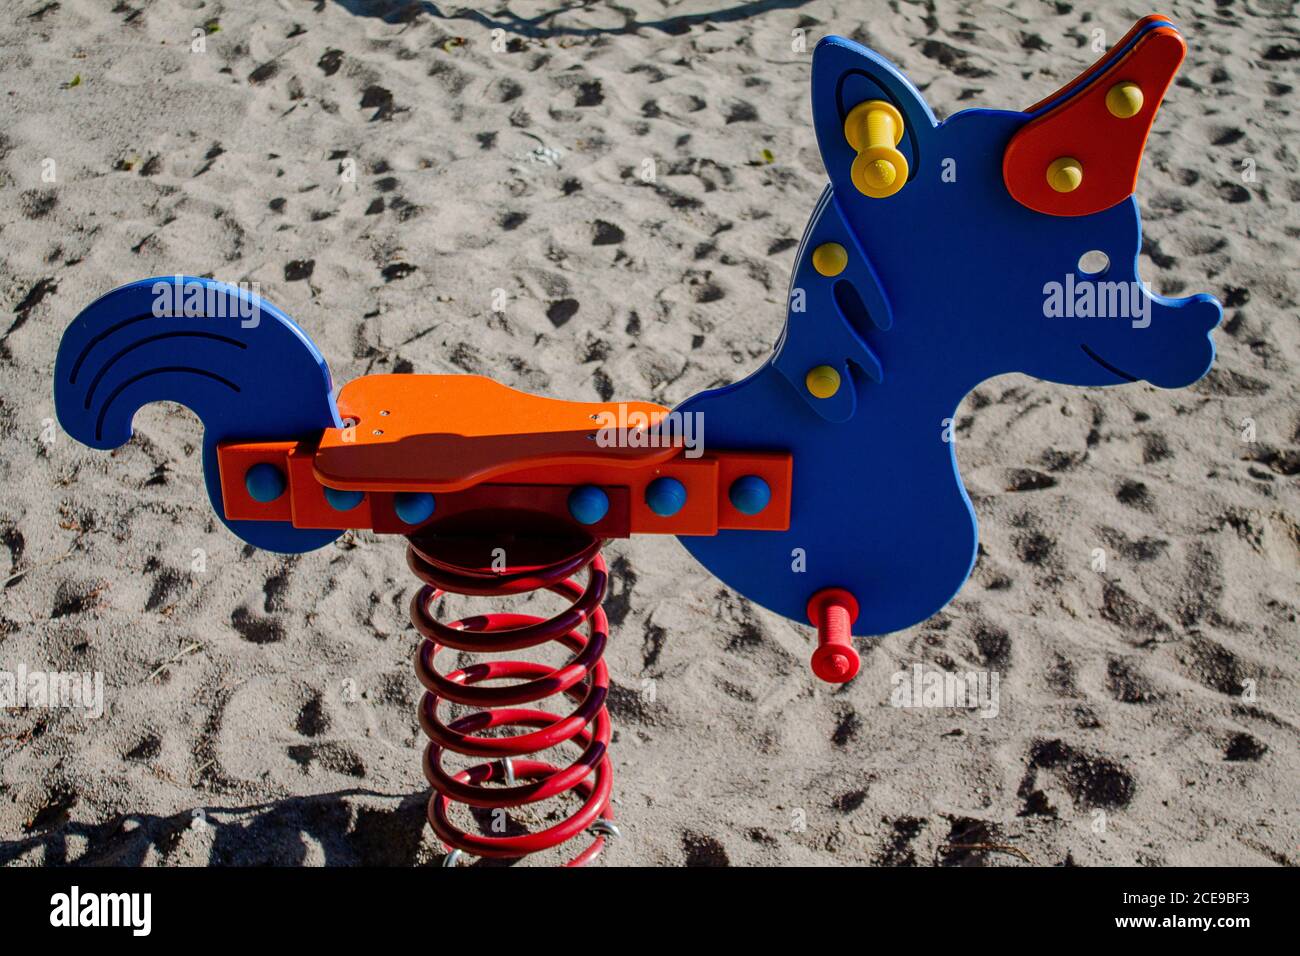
{"x":880,"y":128}
{"x":830,"y":258}
{"x":1065,"y":174}
{"x":879,"y":173}
{"x":1124,"y":100}
{"x":874,"y":129}
{"x":822,"y":381}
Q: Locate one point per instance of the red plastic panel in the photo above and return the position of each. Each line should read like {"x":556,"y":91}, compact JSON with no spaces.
{"x":1107,"y":147}
{"x":1102,"y":62}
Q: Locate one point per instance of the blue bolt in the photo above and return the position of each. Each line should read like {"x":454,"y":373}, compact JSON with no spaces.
{"x":588,"y":504}
{"x":665,"y":496}
{"x":413,"y":507}
{"x":343,"y":500}
{"x":749,"y":494}
{"x":264,"y":482}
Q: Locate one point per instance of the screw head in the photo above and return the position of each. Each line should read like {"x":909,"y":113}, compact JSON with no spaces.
{"x":1124,"y":100}
{"x":341,"y":500}
{"x":1065,"y":175}
{"x":264,"y":482}
{"x":413,"y":507}
{"x":749,"y":494}
{"x":665,"y":496}
{"x":588,"y":504}
{"x":822,"y":381}
{"x":830,"y":259}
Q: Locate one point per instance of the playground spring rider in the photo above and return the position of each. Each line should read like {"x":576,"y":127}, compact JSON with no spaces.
{"x":912,"y":288}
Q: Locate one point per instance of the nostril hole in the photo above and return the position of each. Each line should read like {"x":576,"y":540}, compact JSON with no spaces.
{"x":1094,"y":262}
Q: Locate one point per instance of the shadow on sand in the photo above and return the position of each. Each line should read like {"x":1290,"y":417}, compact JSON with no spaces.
{"x":541,"y":26}
{"x":354,"y":827}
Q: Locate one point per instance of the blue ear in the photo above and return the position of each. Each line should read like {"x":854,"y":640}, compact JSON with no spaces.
{"x":846,"y":74}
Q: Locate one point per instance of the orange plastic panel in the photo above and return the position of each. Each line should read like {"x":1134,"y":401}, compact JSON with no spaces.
{"x":450,"y":432}
{"x":1108,"y":148}
{"x":491,"y":509}
{"x":775,"y":469}
{"x":310,"y":507}
{"x":233,"y":462}
{"x":699,"y":476}
{"x":541,"y":490}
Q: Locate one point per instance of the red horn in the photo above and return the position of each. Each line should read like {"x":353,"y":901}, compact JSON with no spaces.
{"x":1082,"y":155}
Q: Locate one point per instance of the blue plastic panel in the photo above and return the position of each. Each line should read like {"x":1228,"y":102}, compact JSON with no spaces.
{"x":946,"y":287}
{"x":242,"y":366}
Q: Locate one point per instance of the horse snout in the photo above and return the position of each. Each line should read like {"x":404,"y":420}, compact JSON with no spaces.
{"x":1186,"y":351}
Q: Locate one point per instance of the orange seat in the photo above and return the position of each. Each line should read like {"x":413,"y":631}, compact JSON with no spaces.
{"x":451,"y":432}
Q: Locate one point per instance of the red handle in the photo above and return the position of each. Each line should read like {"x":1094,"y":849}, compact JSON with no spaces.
{"x":832,"y":611}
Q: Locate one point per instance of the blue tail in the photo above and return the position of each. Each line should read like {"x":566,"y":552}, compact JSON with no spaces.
{"x":236,"y":361}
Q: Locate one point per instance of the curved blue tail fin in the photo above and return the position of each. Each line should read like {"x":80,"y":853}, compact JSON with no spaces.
{"x":238,"y":362}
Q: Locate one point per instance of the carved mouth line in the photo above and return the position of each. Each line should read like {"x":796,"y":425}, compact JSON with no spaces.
{"x":1107,"y":366}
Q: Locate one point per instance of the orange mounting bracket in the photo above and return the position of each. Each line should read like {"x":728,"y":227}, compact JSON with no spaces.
{"x":492,"y":455}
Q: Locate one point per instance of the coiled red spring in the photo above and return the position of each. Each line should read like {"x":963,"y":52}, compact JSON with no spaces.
{"x":440,"y":564}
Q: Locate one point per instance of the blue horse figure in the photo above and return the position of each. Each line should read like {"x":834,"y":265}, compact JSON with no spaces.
{"x":940,"y":255}
{"x":949,"y":282}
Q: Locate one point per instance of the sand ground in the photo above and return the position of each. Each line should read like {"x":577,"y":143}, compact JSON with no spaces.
{"x":262,"y":708}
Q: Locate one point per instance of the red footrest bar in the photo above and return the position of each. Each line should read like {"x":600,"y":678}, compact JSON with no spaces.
{"x":833,"y":611}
